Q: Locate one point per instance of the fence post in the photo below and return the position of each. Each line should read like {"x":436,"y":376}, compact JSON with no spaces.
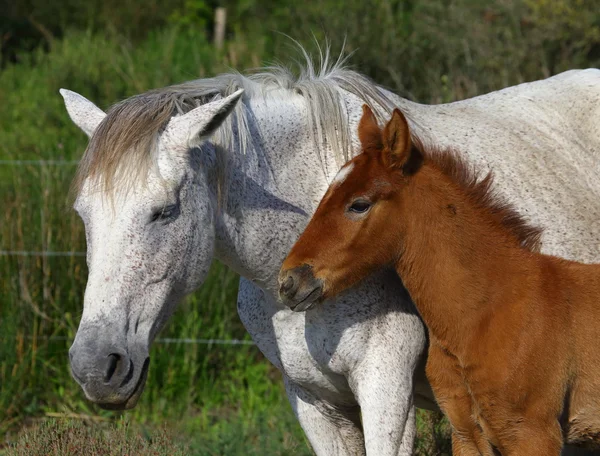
{"x":220,"y":20}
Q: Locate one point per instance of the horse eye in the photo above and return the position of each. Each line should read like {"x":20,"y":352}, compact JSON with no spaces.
{"x":164,"y":213}
{"x":360,"y":206}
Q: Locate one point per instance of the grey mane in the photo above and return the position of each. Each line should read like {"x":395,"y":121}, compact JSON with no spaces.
{"x":123,"y":147}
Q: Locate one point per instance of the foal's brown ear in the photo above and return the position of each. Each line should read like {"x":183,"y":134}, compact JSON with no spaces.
{"x":369,"y":132}
{"x":398,"y":147}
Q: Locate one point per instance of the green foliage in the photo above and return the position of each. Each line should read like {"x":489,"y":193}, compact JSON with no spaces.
{"x":567,"y":30}
{"x":27,"y":24}
{"x":412,"y":46}
{"x":33,"y":124}
{"x":194,"y":13}
{"x":440,"y":51}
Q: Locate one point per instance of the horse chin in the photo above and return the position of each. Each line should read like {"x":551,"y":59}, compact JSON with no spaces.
{"x":132,"y":401}
{"x":308,"y":301}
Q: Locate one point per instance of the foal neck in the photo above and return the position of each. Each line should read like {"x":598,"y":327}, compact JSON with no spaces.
{"x":463,"y":253}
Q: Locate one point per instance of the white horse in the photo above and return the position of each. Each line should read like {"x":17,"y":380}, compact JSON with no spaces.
{"x":175,"y":177}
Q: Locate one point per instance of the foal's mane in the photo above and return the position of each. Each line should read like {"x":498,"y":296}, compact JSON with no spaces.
{"x":480,"y":192}
{"x":124,"y":145}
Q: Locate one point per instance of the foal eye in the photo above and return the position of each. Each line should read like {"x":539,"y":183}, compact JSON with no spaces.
{"x":360,"y":206}
{"x":164,"y":213}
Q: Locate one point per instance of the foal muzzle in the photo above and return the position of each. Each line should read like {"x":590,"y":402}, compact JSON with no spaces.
{"x":299,"y":289}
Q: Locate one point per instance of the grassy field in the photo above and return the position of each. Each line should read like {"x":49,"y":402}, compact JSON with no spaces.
{"x":200,"y":398}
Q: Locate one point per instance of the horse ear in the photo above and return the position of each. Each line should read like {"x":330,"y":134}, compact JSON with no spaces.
{"x":398,"y":144}
{"x":201,"y":122}
{"x":369,"y":132}
{"x":85,"y":114}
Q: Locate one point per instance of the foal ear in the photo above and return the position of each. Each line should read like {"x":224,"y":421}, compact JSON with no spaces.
{"x":369,"y":132}
{"x":398,"y":146}
{"x":188,"y":129}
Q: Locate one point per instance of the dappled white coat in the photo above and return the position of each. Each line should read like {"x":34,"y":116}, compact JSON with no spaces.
{"x":359,"y":352}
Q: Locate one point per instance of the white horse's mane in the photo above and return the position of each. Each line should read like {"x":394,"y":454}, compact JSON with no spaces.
{"x":122,"y":148}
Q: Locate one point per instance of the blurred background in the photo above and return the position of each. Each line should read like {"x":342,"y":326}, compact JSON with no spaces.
{"x":209,"y":390}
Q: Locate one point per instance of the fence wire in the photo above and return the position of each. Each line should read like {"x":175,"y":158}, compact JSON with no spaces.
{"x":39,"y":162}
{"x":40,"y":253}
{"x":34,"y":253}
{"x":164,"y":340}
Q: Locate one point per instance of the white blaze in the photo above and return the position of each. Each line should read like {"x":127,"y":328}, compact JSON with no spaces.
{"x":342,"y":174}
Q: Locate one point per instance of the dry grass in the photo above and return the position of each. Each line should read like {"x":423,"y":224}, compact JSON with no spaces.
{"x":59,"y":437}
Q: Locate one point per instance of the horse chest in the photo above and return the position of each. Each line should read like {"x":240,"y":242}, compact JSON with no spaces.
{"x":313,"y":363}
{"x":281,"y":336}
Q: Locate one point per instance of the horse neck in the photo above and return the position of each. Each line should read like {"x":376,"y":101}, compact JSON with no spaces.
{"x":457,"y":262}
{"x":268,"y":200}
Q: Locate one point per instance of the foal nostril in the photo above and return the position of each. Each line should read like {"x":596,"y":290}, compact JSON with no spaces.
{"x":287,"y":286}
{"x":111,"y":366}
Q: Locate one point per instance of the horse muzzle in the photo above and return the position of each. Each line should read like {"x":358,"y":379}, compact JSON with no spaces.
{"x":111,"y":375}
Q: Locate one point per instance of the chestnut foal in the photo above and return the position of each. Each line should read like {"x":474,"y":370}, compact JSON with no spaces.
{"x":514,"y":355}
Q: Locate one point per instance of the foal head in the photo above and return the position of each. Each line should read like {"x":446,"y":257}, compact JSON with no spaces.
{"x":351,"y":233}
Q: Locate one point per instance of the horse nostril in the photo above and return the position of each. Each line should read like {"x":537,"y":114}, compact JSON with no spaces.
{"x":113,"y":363}
{"x":287,"y":286}
{"x":129,"y":375}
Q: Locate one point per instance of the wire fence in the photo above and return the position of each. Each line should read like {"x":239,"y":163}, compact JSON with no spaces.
{"x":33,"y":253}
{"x":39,"y":162}
{"x":163,"y":340}
{"x":41,"y":253}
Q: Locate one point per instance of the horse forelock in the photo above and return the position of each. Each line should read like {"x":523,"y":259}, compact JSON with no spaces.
{"x":123,"y":147}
